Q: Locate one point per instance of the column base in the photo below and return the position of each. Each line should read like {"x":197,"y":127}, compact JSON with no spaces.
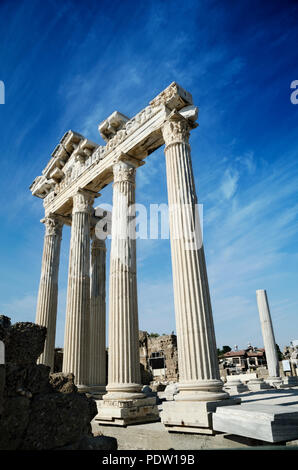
{"x":192,"y":416}
{"x":123,"y":412}
{"x":201,"y":390}
{"x":275,"y":382}
{"x":235,"y":387}
{"x":255,"y":385}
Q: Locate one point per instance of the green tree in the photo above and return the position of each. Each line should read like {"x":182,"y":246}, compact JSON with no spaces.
{"x":225,"y":349}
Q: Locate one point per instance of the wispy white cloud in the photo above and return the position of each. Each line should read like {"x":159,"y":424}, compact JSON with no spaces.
{"x":229,"y":183}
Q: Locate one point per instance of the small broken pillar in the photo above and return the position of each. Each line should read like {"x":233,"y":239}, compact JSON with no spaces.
{"x":274,"y":378}
{"x":46,"y":311}
{"x":200,"y":386}
{"x":124,"y":403}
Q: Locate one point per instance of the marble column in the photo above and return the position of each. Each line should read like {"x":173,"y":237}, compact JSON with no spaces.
{"x":268,"y":338}
{"x":46,"y":312}
{"x":97,"y":353}
{"x":124,"y":380}
{"x":197,"y":352}
{"x":199,"y":378}
{"x":77,"y":326}
{"x":124,"y":403}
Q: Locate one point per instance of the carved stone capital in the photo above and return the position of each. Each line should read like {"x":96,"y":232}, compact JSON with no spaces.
{"x":124,"y":171}
{"x":53,"y":225}
{"x":176,"y":129}
{"x":82,"y":202}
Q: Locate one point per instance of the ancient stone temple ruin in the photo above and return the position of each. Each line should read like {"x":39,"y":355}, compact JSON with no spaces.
{"x":70,"y":182}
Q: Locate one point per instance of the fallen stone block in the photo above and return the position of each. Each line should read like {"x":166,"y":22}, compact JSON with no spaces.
{"x":269,"y":423}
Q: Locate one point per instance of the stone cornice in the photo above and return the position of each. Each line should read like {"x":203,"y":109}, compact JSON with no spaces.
{"x":85,"y":164}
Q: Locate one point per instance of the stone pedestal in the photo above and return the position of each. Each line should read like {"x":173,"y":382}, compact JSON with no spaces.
{"x":235,"y":386}
{"x":46,"y":312}
{"x":77,"y":333}
{"x":255,"y":385}
{"x":276,"y":382}
{"x":192,"y":416}
{"x":124,"y":403}
{"x":124,"y":412}
{"x":197,"y":354}
{"x":97,"y":352}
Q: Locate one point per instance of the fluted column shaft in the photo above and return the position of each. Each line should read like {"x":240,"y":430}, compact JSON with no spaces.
{"x":76,"y":342}
{"x":97,"y":361}
{"x":124,"y":368}
{"x":268,"y":333}
{"x":197,"y":353}
{"x":46,"y":311}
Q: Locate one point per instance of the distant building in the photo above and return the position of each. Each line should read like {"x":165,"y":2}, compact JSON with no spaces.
{"x":158,"y":357}
{"x":241,"y":360}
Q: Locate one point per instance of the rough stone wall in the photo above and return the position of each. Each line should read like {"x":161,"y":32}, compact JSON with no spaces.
{"x":165,"y":343}
{"x":41,"y":411}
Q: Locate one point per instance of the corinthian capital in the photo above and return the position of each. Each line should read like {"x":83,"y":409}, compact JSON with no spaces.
{"x":53,"y":225}
{"x":82,"y":202}
{"x":124,"y":171}
{"x":175,"y":129}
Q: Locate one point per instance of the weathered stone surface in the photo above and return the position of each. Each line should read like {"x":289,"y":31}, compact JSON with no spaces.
{"x":14,"y":422}
{"x":32,"y":379}
{"x":58,"y":360}
{"x":271,"y":423}
{"x":2,"y":384}
{"x":170,"y":391}
{"x":93,"y":443}
{"x":167,"y":344}
{"x":41,"y":412}
{"x":58,"y":419}
{"x":24,"y":342}
{"x":4,"y":324}
{"x":63,"y":383}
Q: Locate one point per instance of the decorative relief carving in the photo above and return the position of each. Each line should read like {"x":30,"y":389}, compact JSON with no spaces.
{"x":53,"y":226}
{"x":74,"y":146}
{"x":165,"y":95}
{"x":175,"y":130}
{"x":173,"y":97}
{"x":124,"y":171}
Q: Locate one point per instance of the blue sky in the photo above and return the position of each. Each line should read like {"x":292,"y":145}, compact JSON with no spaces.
{"x":68,"y":65}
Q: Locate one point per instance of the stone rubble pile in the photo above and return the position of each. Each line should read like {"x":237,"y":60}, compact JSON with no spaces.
{"x":39,"y":410}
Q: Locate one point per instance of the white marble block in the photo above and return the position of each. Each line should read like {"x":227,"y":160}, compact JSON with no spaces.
{"x":192,"y":417}
{"x":269,"y":423}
